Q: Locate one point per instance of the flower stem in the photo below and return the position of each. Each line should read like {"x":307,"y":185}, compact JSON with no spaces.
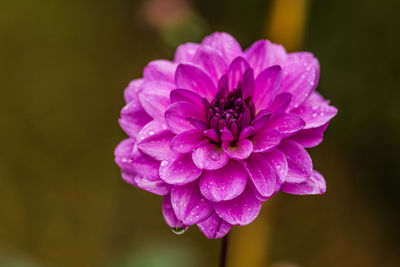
{"x":224,"y":251}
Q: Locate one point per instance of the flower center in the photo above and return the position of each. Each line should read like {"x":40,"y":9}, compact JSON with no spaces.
{"x":229,"y":111}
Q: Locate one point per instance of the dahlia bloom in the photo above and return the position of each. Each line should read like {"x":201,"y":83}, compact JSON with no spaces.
{"x":219,"y":130}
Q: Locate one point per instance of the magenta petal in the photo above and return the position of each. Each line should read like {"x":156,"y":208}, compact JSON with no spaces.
{"x":241,"y":150}
{"x":315,"y":184}
{"x":195,"y":79}
{"x":265,"y":140}
{"x":131,"y":92}
{"x":133,"y":118}
{"x":236,"y":71}
{"x":179,"y":95}
{"x":189,"y":205}
{"x":160,"y":70}
{"x":214,"y":227}
{"x":209,"y":157}
{"x":212,"y":61}
{"x":279,"y":162}
{"x":246,"y":132}
{"x":310,"y":137}
{"x":225,"y":183}
{"x":280,"y":103}
{"x":179,"y":170}
{"x":315,"y":111}
{"x":154,"y":140}
{"x":155,"y":105}
{"x":241,"y":210}
{"x":261,"y":120}
{"x":144,"y":164}
{"x":129,"y":177}
{"x":160,"y":88}
{"x":263,"y":54}
{"x":212,"y":134}
{"x":226,"y":135}
{"x":299,"y":78}
{"x":286,"y":123}
{"x":262,"y":175}
{"x":248,"y":83}
{"x":177,"y":116}
{"x":185,"y":53}
{"x":299,"y":161}
{"x":152,"y":184}
{"x":187,"y":141}
{"x":266,"y":86}
{"x":224,"y":43}
{"x":123,"y":155}
{"x":169,"y":214}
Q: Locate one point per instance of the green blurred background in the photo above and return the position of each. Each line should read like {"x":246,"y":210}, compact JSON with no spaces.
{"x":63,"y":68}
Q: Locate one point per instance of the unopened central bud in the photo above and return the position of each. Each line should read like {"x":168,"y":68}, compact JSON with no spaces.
{"x":231,"y":111}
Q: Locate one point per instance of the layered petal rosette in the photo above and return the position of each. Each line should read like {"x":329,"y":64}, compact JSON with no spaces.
{"x":219,"y":130}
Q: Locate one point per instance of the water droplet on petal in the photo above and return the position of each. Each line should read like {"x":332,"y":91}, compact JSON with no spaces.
{"x":164,"y":163}
{"x":215,"y":156}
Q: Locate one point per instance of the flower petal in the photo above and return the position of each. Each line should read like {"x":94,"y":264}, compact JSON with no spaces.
{"x":189,"y":205}
{"x":241,"y":150}
{"x":299,"y":161}
{"x":280,"y":103}
{"x":212,"y":61}
{"x":160,"y":70}
{"x":209,"y":157}
{"x":315,"y":111}
{"x":236,"y":71}
{"x":310,"y":137}
{"x":160,"y":88}
{"x":144,"y":165}
{"x":152,"y":184}
{"x":123,"y":154}
{"x":212,"y":134}
{"x":279,"y":162}
{"x":185,"y":53}
{"x":179,"y":95}
{"x":262,"y":175}
{"x":248,"y":83}
{"x":300,"y":77}
{"x":286,"y":123}
{"x":261,"y":120}
{"x":224,"y":43}
{"x":265,"y":140}
{"x":195,"y":79}
{"x":241,"y":210}
{"x":315,"y":184}
{"x":225,"y":183}
{"x":214,"y":227}
{"x":131,"y":92}
{"x":133,"y":118}
{"x":169,"y":214}
{"x":179,"y":170}
{"x":129,"y":177}
{"x":246,"y":132}
{"x":177,"y":116}
{"x":263,"y":54}
{"x":266,"y":87}
{"x":187,"y":141}
{"x":155,"y":105}
{"x":154,"y":140}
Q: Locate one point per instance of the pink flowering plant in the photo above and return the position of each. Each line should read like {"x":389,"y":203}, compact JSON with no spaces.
{"x":218,"y":131}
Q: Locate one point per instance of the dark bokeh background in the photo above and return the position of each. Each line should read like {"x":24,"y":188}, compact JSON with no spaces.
{"x":63,"y":68}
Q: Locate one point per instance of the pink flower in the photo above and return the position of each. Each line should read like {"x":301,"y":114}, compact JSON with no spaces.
{"x":218,"y":131}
